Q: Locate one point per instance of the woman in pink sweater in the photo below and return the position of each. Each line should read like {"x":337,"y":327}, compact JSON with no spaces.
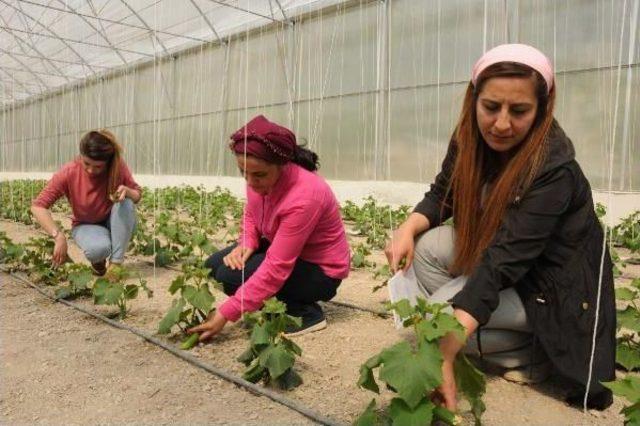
{"x":102,"y":193}
{"x":292,"y":243}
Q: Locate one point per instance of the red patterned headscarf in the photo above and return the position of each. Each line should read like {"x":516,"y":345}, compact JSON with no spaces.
{"x":265,"y":140}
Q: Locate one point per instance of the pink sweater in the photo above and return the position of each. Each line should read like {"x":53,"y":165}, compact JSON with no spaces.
{"x":301,"y":219}
{"x":87,"y":195}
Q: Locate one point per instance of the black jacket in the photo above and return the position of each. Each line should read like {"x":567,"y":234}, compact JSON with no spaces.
{"x":549,"y":246}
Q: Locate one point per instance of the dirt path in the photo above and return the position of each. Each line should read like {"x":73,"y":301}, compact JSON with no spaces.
{"x":62,"y":367}
{"x":75,"y":362}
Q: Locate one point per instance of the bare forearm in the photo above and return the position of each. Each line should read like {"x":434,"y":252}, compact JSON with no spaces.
{"x":135,"y":195}
{"x":44,"y":218}
{"x":415,"y":224}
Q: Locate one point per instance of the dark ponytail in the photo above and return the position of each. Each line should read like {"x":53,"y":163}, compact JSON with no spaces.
{"x":306,"y":158}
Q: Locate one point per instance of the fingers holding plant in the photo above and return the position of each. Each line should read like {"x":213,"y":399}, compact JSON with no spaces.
{"x":237,"y":258}
{"x":212,"y":326}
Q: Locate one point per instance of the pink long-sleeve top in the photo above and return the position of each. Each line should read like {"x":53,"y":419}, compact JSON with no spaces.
{"x":301,"y":218}
{"x":87,"y":195}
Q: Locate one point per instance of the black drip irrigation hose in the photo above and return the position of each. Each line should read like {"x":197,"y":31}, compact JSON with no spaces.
{"x":251,"y":387}
{"x":378,"y":312}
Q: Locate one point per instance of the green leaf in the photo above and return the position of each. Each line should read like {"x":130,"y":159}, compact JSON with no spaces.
{"x":163,"y":257}
{"x":260,"y":335}
{"x":131,"y":291}
{"x":172,"y":317}
{"x":628,"y":388}
{"x":99,"y":289}
{"x":629,"y":318}
{"x":403,"y":415}
{"x":274,"y":306}
{"x":255,"y":372}
{"x":246,"y":357}
{"x":369,"y":417}
{"x":289,"y":380}
{"x":632,"y":414}
{"x":367,"y":380}
{"x":412,"y":373}
{"x":63,"y":292}
{"x":471,"y":383}
{"x":628,"y":357}
{"x":113,"y":293}
{"x":81,"y":279}
{"x":176,"y":284}
{"x":200,"y":298}
{"x":291,"y":346}
{"x":624,"y":293}
{"x":636,"y":283}
{"x":357,"y":261}
{"x":277,"y":360}
{"x":403,"y":308}
{"x":438,"y":326}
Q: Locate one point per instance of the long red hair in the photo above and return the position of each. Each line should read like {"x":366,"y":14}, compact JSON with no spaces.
{"x":475,"y":227}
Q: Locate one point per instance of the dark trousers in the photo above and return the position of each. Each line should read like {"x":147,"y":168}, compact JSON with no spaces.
{"x":306,"y":285}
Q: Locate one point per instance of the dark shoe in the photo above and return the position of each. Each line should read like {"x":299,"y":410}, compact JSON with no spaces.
{"x":600,"y":401}
{"x":312,"y":319}
{"x":99,"y":268}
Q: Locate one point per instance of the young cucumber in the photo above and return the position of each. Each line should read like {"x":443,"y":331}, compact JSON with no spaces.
{"x":191,"y":341}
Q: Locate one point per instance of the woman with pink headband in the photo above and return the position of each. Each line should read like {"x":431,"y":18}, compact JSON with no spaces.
{"x":522,"y":263}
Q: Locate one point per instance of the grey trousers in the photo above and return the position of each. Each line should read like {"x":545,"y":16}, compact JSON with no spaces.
{"x":110,"y":239}
{"x":506,"y":340}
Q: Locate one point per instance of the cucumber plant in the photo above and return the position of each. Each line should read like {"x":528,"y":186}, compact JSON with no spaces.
{"x":413,"y":372}
{"x":271,"y":356}
{"x":39,"y":256}
{"x":79,"y":278}
{"x":628,"y":325}
{"x":359,"y":255}
{"x":11,"y":254}
{"x":193,"y":305}
{"x":113,"y":290}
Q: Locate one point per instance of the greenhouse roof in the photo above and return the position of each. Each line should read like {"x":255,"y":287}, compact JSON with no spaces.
{"x":47,"y":44}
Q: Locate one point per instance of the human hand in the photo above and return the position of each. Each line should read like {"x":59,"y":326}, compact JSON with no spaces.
{"x":401,"y":246}
{"x":213,"y":325}
{"x":60,"y":250}
{"x":121,"y":193}
{"x":237,"y":258}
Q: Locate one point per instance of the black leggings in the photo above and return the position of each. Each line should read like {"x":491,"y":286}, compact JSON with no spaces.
{"x":306,"y":285}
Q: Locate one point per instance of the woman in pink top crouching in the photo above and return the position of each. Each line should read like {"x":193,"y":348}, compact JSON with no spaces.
{"x":292,"y":244}
{"x":102,"y":194}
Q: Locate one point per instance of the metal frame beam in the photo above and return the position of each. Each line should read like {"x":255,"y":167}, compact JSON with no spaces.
{"x":284,"y":15}
{"x":27,"y":68}
{"x":207,"y":21}
{"x":111,"y":21}
{"x":102,"y":33}
{"x":16,"y":81}
{"x":31,"y":46}
{"x":53,"y":33}
{"x":70,"y":40}
{"x":62,"y":61}
{"x":48,"y":74}
{"x":221,"y":3}
{"x":151,"y":31}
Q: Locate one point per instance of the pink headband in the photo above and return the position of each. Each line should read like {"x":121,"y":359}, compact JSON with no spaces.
{"x":519,"y":53}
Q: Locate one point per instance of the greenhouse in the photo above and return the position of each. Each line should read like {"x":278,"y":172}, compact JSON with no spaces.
{"x":320,"y":211}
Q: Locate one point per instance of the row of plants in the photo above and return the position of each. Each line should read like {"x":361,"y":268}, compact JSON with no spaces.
{"x":627,"y":384}
{"x":413,"y":372}
{"x":72,"y":279}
